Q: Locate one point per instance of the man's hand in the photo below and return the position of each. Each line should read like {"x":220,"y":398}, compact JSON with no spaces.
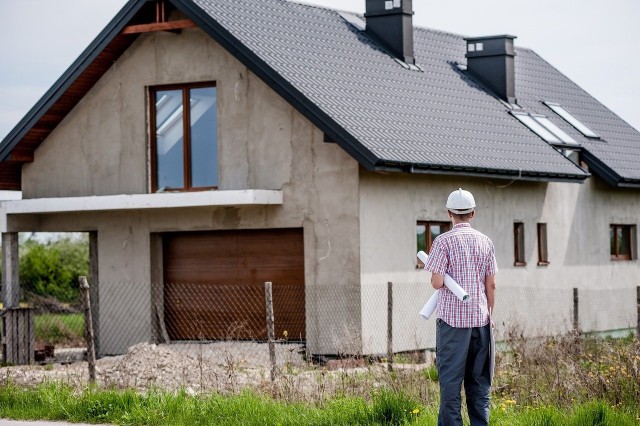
{"x":437,"y":281}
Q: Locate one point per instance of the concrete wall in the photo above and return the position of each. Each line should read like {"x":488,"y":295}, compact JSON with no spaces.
{"x":534,"y":299}
{"x":263,"y":144}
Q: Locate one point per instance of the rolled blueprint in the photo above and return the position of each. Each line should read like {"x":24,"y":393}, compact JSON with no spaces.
{"x":451,"y":284}
{"x":430,"y":307}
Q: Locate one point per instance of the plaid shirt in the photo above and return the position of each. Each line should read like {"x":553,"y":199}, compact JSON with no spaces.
{"x":468,"y":256}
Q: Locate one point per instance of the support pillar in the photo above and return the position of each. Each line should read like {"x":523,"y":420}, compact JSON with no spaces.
{"x":10,"y":275}
{"x":94,"y":293}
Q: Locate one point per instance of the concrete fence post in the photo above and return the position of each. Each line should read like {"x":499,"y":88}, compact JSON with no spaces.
{"x":271,"y":334}
{"x":389,"y":326}
{"x":88,"y":322}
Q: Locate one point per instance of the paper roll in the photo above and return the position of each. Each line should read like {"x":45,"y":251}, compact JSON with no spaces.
{"x":428,"y":309}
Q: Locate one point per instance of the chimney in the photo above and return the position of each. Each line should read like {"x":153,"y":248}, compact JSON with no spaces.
{"x":490,"y":59}
{"x":390,"y":22}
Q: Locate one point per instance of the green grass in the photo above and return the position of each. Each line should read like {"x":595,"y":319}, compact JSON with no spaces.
{"x":60,"y":329}
{"x":384,"y":407}
{"x":59,"y":402}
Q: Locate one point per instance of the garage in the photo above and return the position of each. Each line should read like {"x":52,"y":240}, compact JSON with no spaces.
{"x":214,"y":284}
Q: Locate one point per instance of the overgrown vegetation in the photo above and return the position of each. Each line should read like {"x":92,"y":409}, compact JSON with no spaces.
{"x":52,"y":268}
{"x":565,"y":380}
{"x":383,"y":407}
{"x":61,"y":330}
{"x":49,"y":270}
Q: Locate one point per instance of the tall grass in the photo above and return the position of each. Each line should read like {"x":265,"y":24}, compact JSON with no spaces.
{"x":60,"y":329}
{"x":384,"y":407}
{"x":59,"y":402}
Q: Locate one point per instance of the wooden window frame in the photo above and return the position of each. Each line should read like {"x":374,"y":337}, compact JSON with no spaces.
{"x":543,"y":253}
{"x":630,"y":232}
{"x":428,"y":242}
{"x":186,"y":133}
{"x":518,"y":244}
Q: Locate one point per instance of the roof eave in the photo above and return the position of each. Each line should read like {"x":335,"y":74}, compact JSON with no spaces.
{"x":483,"y":172}
{"x":607,"y":173}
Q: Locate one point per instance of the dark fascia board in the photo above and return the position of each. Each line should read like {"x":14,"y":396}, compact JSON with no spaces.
{"x":483,"y":172}
{"x":606,"y":173}
{"x":278,"y":83}
{"x":70,"y":75}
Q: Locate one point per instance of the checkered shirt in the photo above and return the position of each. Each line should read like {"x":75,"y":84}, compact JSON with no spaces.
{"x":468,"y":256}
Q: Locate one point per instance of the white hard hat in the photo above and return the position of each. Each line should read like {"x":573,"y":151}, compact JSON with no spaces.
{"x":461,"y":202}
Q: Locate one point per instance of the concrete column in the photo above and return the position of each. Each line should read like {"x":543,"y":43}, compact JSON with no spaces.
{"x":94,"y":291}
{"x":10,"y":275}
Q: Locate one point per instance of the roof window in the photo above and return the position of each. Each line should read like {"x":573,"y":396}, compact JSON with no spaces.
{"x":543,"y":127}
{"x":569,"y":118}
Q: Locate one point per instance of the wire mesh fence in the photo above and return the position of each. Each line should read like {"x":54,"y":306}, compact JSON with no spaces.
{"x":204,"y":335}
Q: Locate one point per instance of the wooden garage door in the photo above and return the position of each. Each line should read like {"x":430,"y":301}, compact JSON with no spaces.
{"x":214,"y":283}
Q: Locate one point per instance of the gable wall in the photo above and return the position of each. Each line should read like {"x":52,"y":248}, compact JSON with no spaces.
{"x":535,"y":298}
{"x":101,"y":149}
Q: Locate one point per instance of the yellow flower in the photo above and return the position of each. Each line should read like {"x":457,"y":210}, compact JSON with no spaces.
{"x":415,"y":411}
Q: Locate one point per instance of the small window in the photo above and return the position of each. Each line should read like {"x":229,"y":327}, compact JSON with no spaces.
{"x":543,"y":127}
{"x":622,"y":239}
{"x":543,"y":256}
{"x":184,"y":143}
{"x":427,"y":232}
{"x":518,"y":244}
{"x":569,"y":118}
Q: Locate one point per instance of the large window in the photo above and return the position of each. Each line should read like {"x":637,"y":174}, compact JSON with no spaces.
{"x":622,"y":239}
{"x":426,"y":232}
{"x":184,"y":141}
{"x":518,"y":244}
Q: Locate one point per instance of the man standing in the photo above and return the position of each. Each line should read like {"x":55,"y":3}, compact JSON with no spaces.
{"x":463,"y":328}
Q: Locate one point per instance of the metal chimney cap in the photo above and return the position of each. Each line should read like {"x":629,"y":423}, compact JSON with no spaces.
{"x":490,"y":37}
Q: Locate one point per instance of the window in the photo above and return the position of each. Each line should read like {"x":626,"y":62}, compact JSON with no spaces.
{"x":543,"y":127}
{"x":569,"y":118}
{"x":543,"y":256}
{"x":184,"y":141}
{"x":427,"y":232}
{"x":518,"y":243}
{"x":622,"y":242}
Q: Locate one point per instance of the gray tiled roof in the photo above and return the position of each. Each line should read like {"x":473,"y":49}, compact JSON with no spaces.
{"x":436,"y":119}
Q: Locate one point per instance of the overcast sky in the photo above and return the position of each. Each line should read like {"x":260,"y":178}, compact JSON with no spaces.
{"x":593,"y":42}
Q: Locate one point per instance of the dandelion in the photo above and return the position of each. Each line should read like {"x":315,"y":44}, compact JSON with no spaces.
{"x":415,"y":411}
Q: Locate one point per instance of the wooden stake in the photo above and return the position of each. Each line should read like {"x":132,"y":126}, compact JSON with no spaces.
{"x":271,"y":334}
{"x":88,"y":322}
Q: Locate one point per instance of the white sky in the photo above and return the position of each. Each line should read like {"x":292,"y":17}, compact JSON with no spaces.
{"x":594,"y":42}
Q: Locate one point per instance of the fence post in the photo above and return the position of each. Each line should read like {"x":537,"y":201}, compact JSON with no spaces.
{"x":576,"y":323}
{"x":389,"y":326}
{"x":638,"y":311}
{"x":271,"y":335}
{"x":88,"y":322}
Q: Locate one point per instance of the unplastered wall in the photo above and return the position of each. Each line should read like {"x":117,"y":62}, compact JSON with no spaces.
{"x":263,"y":144}
{"x":537,"y":299}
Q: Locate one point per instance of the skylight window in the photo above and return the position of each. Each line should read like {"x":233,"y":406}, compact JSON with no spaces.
{"x":543,"y":127}
{"x":566,"y":115}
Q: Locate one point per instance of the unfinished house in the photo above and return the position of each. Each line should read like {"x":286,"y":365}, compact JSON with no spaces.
{"x":203,"y":143}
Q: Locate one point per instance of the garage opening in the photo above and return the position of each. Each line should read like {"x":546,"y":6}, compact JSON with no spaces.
{"x":214,"y":284}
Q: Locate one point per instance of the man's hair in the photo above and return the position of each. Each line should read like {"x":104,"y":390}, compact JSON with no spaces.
{"x":461,"y":217}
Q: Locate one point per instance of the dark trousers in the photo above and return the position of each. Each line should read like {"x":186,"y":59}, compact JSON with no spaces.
{"x":462,"y":355}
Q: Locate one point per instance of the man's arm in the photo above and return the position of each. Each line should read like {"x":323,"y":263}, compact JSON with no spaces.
{"x":437,"y":281}
{"x":490,"y":289}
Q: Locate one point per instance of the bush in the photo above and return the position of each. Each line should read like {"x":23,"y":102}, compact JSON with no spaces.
{"x":52,"y":269}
